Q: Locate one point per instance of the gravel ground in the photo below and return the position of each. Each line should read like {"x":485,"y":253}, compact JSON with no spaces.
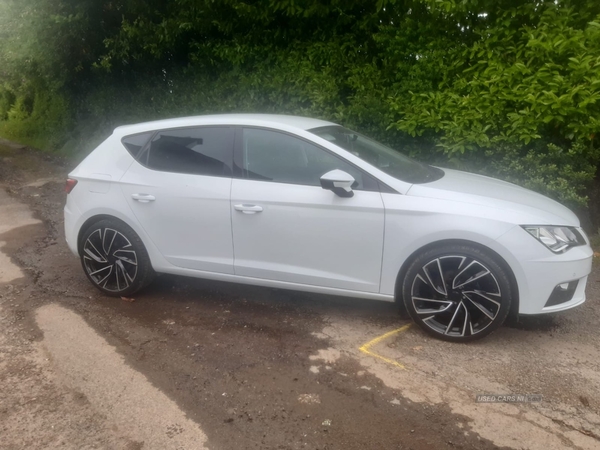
{"x":198,"y":364}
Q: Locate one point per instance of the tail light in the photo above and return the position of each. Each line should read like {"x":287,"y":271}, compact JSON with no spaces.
{"x":70,"y":185}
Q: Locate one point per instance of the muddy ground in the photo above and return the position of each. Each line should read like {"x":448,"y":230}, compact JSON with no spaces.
{"x":198,"y":364}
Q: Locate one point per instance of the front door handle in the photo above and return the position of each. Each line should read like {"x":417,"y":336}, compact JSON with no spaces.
{"x":248,"y":209}
{"x":143,"y":198}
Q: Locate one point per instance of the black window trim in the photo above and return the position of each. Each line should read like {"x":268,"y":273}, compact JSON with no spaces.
{"x":144,"y":152}
{"x":238,"y":159}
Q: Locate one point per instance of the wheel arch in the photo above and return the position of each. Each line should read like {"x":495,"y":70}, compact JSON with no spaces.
{"x":514,"y":307}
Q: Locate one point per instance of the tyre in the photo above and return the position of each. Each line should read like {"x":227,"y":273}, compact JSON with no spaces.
{"x":114,"y":258}
{"x":457,"y":292}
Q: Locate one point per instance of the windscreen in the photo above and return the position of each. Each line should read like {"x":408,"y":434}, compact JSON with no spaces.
{"x":384,"y":158}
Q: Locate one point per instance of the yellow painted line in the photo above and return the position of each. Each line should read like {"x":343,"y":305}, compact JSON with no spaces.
{"x":366,"y":348}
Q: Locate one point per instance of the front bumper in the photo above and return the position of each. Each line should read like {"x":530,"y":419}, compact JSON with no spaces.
{"x":538,"y":271}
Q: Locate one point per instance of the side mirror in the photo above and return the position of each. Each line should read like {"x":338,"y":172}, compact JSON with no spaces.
{"x":339,"y":182}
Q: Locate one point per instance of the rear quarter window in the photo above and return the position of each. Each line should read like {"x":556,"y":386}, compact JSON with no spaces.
{"x":136,"y":142}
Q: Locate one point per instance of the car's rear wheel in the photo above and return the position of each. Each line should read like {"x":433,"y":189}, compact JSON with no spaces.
{"x":114,"y":258}
{"x":457,"y":292}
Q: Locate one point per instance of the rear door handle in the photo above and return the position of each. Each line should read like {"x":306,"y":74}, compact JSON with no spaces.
{"x":143,"y":198}
{"x":248,"y":209}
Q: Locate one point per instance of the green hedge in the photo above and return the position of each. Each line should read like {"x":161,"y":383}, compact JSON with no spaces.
{"x":508,"y":88}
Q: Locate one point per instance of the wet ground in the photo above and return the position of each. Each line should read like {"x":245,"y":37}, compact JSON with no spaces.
{"x":197,"y":364}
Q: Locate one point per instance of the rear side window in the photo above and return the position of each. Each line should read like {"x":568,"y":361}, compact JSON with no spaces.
{"x":136,"y":142}
{"x":197,"y":151}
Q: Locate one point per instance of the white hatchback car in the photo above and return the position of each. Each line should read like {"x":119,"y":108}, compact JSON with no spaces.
{"x":300,"y":203}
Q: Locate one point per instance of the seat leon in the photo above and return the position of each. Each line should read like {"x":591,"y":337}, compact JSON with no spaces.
{"x":305,"y":204}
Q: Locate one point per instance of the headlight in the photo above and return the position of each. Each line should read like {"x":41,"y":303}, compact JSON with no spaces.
{"x":557,"y":239}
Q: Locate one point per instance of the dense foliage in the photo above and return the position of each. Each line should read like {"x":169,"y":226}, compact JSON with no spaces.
{"x":507,"y":87}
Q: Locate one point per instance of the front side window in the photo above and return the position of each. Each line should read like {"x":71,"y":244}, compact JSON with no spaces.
{"x":197,"y":151}
{"x":281,"y":158}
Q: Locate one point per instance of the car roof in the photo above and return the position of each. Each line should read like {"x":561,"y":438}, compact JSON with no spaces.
{"x":267,"y":120}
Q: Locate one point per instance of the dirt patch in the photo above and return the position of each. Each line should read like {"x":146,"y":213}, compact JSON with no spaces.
{"x":133,"y":406}
{"x":261,"y":368}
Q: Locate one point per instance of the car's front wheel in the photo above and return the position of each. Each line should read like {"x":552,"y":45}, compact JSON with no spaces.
{"x":457,"y":292}
{"x":114,"y":258}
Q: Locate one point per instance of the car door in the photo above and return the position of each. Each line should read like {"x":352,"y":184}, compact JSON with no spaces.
{"x":287,"y":228}
{"x":179,"y":190}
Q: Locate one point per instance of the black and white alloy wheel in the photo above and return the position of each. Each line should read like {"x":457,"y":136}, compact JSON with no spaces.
{"x":114,"y":258}
{"x":457,"y":293}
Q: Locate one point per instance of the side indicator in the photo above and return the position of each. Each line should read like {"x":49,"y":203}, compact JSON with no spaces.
{"x":70,"y":184}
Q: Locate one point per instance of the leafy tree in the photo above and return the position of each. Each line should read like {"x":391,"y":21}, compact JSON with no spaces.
{"x":522,"y":99}
{"x":508,"y":87}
